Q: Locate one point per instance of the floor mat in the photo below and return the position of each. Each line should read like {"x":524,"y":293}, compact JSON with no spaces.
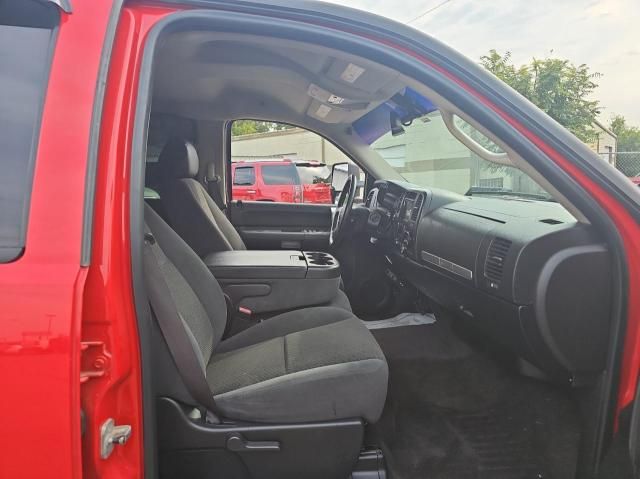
{"x":402,"y":319}
{"x":499,"y":449}
{"x":454,"y":413}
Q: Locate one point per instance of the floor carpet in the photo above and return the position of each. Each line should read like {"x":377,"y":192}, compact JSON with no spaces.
{"x":454,"y":413}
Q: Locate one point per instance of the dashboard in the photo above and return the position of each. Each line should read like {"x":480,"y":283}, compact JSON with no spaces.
{"x":523,"y":272}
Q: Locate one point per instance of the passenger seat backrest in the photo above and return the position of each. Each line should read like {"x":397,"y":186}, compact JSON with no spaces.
{"x":194,"y":291}
{"x":191,"y":211}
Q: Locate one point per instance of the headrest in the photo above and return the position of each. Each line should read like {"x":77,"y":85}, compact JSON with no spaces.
{"x":178,"y":159}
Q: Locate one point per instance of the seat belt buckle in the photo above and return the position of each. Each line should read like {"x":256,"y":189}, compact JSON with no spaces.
{"x":246,"y":313}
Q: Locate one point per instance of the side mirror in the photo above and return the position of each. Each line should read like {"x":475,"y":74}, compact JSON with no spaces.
{"x":339,"y":174}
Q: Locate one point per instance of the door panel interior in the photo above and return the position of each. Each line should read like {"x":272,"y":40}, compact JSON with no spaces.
{"x":268,"y":225}
{"x":634,"y":435}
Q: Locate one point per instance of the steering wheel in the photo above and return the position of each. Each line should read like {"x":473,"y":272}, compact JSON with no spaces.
{"x":341,"y":212}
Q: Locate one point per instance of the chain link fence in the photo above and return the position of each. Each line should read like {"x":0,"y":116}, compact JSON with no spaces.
{"x":628,"y":162}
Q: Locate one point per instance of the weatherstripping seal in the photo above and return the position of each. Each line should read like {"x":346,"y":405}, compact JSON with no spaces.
{"x":323,"y":26}
{"x":142,"y":308}
{"x":94,"y":133}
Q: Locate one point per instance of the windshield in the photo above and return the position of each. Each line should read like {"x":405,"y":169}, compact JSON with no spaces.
{"x":425,"y":153}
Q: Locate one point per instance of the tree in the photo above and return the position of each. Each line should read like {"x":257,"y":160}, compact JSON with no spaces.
{"x":628,"y":136}
{"x":558,"y":87}
{"x":248,"y":127}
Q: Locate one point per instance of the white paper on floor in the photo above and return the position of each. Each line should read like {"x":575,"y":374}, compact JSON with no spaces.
{"x":403,"y":319}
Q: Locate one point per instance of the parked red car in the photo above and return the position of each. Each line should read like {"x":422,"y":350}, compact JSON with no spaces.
{"x":421,"y":333}
{"x":315,"y":178}
{"x":281,"y":180}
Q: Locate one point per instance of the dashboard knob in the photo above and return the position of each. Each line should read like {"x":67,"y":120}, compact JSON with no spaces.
{"x":404,"y":243}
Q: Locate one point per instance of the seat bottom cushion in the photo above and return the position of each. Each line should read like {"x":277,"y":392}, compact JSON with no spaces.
{"x":340,"y":301}
{"x":314,"y":364}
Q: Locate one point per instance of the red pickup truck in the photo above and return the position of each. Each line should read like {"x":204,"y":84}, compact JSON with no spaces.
{"x":281,"y":180}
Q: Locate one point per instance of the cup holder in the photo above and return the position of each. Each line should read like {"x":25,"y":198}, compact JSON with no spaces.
{"x":318,"y":258}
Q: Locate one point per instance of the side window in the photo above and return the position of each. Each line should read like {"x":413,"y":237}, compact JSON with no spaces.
{"x":284,"y":174}
{"x":291,"y":164}
{"x":26,"y":35}
{"x":244,"y":176}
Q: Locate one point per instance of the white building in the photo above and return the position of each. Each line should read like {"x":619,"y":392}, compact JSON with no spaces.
{"x":605,"y":144}
{"x":293,"y":144}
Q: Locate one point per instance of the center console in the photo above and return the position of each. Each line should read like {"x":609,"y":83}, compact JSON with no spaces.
{"x":406,"y":225}
{"x":269,"y":281}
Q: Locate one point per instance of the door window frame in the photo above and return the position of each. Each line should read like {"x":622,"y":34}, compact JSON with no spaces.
{"x":50,"y":21}
{"x":548,"y":148}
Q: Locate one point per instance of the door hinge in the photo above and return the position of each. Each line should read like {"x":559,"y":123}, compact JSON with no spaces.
{"x":95,"y":360}
{"x":112,"y":435}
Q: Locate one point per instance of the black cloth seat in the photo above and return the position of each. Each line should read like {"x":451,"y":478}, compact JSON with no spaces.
{"x":190,"y":209}
{"x":193,"y":214}
{"x":314,"y":364}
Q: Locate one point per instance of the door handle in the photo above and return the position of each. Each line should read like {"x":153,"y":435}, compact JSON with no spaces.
{"x":251,"y":192}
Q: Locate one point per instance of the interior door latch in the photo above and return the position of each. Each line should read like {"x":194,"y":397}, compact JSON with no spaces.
{"x":110,"y":435}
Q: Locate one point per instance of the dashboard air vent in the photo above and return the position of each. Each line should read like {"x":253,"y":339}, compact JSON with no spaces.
{"x":415,"y":212}
{"x":494,"y":264}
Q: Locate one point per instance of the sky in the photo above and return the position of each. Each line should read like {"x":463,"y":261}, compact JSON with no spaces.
{"x":604,"y":34}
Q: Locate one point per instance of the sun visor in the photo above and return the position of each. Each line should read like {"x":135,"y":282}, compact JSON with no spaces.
{"x":332,"y":108}
{"x":335,"y":113}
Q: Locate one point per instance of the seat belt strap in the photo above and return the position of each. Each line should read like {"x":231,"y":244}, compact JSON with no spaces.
{"x":212,"y":182}
{"x":171,"y":325}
